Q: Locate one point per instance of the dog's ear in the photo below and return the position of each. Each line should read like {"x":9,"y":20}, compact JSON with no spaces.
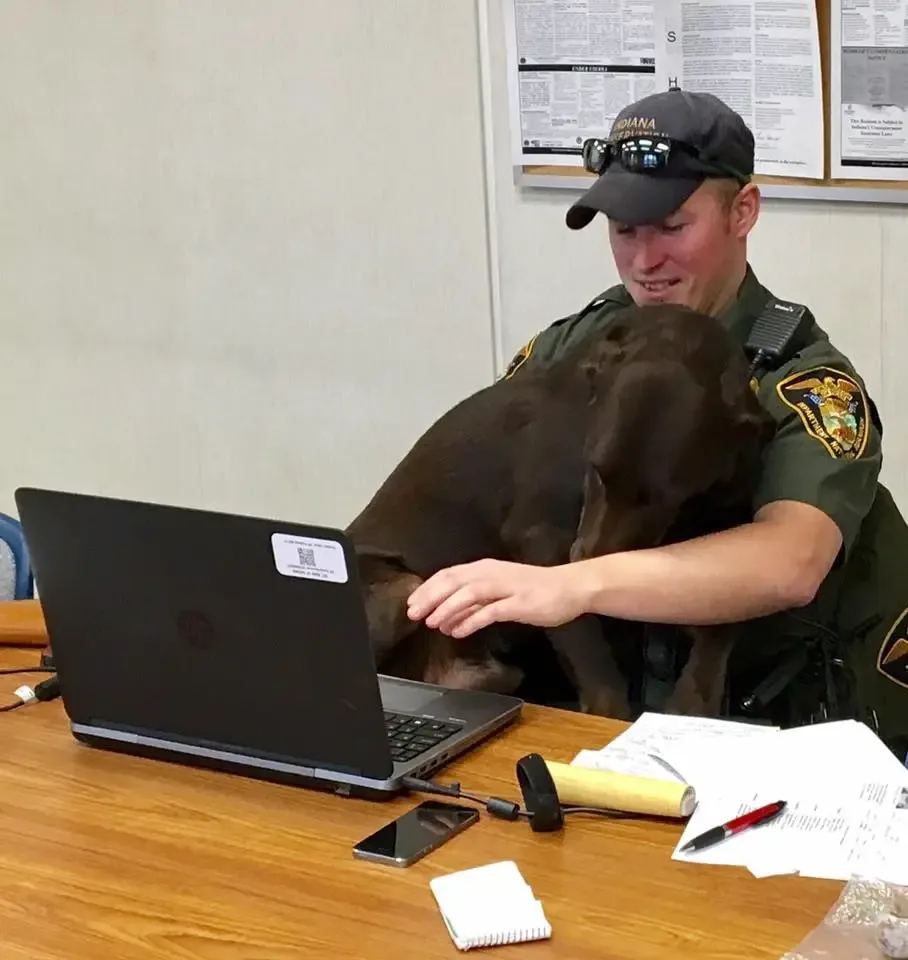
{"x":607,"y":525}
{"x":599,"y":364}
{"x":592,"y":516}
{"x":642,"y":422}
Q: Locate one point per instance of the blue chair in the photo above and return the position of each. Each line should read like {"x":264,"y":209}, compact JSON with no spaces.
{"x":17,"y":581}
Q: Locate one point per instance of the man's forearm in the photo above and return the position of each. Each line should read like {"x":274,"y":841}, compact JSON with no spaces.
{"x":738,"y":574}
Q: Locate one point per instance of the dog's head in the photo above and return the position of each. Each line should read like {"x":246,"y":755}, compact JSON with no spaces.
{"x":674,"y":417}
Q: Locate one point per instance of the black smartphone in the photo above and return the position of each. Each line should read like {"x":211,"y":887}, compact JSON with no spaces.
{"x":418,"y":832}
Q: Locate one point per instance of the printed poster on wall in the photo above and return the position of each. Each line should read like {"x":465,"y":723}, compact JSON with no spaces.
{"x":869,"y":90}
{"x":572,"y":66}
{"x":763,"y":60}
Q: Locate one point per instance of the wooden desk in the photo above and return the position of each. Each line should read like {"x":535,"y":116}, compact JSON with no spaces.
{"x":22,"y":623}
{"x":107,"y":857}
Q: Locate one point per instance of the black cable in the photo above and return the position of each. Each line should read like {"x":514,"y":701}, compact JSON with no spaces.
{"x":755,"y":363}
{"x":48,"y":689}
{"x":601,"y":811}
{"x":814,"y":625}
{"x":10,"y":670}
{"x":504,"y":809}
{"x":496,"y":806}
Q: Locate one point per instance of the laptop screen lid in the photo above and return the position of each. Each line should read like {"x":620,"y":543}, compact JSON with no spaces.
{"x":207,"y":628}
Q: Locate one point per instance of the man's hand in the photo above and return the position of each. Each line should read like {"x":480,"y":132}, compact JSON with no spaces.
{"x":462,"y":599}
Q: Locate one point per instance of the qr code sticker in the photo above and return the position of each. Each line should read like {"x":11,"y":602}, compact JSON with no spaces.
{"x":309,"y":558}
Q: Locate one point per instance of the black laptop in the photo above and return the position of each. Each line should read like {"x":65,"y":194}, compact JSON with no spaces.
{"x":232,"y":642}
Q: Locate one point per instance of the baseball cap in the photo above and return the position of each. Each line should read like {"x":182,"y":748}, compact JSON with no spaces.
{"x":660,"y":149}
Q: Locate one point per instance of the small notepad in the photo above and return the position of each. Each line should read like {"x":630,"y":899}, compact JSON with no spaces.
{"x":489,"y":906}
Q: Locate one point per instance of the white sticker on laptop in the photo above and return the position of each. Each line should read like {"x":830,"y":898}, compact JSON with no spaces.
{"x":309,"y":557}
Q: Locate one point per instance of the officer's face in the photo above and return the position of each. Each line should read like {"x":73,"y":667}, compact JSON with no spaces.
{"x":695,"y":257}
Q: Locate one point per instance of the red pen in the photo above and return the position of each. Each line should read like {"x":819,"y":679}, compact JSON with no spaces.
{"x":755,"y":818}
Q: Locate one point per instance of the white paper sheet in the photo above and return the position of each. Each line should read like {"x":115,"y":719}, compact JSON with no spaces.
{"x":847,"y":797}
{"x":823,"y":838}
{"x":869,"y":89}
{"x":645,"y":747}
{"x":762,"y":58}
{"x":572,"y":66}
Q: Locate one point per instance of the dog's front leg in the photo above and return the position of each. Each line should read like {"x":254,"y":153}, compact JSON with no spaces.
{"x":583,"y":647}
{"x":581,"y":644}
{"x":700,"y":690}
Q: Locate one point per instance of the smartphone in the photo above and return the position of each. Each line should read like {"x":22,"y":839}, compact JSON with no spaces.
{"x":418,"y":832}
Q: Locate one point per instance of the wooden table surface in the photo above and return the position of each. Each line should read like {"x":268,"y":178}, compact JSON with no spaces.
{"x":22,"y":623}
{"x":106,"y":857}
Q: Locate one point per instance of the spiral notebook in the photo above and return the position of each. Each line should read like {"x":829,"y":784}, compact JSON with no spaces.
{"x":489,"y":906}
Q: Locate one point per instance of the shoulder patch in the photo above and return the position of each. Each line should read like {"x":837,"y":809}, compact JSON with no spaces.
{"x":892,"y":659}
{"x":520,"y":358}
{"x":832,"y":406}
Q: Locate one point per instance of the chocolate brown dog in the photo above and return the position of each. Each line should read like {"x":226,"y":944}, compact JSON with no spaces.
{"x":647,"y":432}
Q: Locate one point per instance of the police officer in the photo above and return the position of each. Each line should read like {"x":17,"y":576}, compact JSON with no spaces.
{"x":820,"y":575}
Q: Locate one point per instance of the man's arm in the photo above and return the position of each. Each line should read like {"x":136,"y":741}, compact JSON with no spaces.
{"x":775,"y":563}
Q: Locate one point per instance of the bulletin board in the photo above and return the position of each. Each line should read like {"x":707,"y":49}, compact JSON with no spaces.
{"x":795,"y":188}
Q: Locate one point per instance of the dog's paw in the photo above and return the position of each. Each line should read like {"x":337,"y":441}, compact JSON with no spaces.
{"x":606,"y":703}
{"x":687,"y":701}
{"x":489,"y":675}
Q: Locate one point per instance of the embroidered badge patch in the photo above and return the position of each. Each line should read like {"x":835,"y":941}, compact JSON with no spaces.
{"x":892,"y":660}
{"x":520,"y":358}
{"x":832,"y":407}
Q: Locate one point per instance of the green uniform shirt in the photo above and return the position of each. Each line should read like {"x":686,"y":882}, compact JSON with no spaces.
{"x":826,"y":451}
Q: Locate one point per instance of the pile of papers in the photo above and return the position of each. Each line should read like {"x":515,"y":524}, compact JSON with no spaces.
{"x":846,"y":793}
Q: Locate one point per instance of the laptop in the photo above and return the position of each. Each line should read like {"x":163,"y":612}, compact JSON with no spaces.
{"x":233,"y":642}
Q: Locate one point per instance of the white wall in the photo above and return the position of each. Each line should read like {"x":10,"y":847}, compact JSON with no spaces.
{"x":210,"y":295}
{"x":226,"y":275}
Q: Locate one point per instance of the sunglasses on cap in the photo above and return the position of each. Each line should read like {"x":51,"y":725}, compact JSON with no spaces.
{"x":645,"y":155}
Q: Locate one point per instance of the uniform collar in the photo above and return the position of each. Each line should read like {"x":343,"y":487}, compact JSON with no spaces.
{"x":740,"y":314}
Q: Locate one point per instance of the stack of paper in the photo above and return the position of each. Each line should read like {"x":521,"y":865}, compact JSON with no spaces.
{"x":846,"y":794}
{"x":644,"y":748}
{"x":847,"y":799}
{"x":488,"y":906}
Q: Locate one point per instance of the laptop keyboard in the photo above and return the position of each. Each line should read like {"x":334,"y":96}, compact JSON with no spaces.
{"x":411,"y":736}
